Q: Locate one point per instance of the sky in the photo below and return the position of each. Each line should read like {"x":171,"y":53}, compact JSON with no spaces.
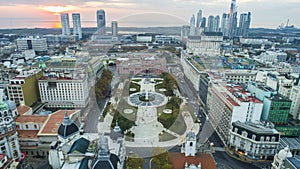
{"x":44,"y":13}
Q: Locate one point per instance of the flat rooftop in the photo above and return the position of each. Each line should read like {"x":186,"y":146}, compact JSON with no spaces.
{"x":256,"y":128}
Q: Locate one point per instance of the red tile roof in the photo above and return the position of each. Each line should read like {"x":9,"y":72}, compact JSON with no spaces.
{"x":178,"y":161}
{"x":52,"y":124}
{"x":31,"y":119}
{"x":22,"y":109}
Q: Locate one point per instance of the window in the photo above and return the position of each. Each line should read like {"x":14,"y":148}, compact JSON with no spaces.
{"x":253,"y":137}
{"x":191,"y":144}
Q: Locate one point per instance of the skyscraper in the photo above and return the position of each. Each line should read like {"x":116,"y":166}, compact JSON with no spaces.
{"x":101,"y":21}
{"x":213,"y":24}
{"x":192,"y":26}
{"x":210,"y":24}
{"x":77,"y":25}
{"x":244,"y":25}
{"x":224,"y":24}
{"x":203,"y":23}
{"x":114,"y":28}
{"x":199,"y":18}
{"x":65,"y":24}
{"x":232,"y":27}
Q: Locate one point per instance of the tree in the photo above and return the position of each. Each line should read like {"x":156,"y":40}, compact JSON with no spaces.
{"x":134,"y":162}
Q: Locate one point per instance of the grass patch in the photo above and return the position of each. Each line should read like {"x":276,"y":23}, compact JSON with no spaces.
{"x":124,"y":123}
{"x":167,"y":120}
{"x":179,"y":125}
{"x":166,"y":137}
{"x":136,"y":86}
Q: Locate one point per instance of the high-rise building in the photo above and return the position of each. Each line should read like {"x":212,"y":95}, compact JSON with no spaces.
{"x":114,"y":28}
{"x":65,"y":24}
{"x":244,"y":25}
{"x":101,"y":21}
{"x":192,"y":26}
{"x":213,"y":24}
{"x":232,"y":24}
{"x":77,"y":25}
{"x":203,"y":23}
{"x":224,"y":24}
{"x":199,"y":18}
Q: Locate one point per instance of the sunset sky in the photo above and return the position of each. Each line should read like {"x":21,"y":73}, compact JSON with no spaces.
{"x":265,"y":13}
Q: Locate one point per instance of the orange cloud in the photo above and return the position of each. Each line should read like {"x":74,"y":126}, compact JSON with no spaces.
{"x":58,"y":9}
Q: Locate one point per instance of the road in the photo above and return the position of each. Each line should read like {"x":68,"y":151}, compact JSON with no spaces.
{"x":95,"y":107}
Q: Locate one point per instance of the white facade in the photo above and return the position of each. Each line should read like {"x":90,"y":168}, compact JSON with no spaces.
{"x":37,"y":44}
{"x":295,"y":98}
{"x":206,"y":44}
{"x":240,"y":76}
{"x":190,"y":144}
{"x":65,"y":24}
{"x":64,"y":92}
{"x":77,"y":25}
{"x":227,"y":104}
{"x":280,"y":157}
{"x":190,"y":71}
{"x":254,"y":140}
{"x":143,"y":38}
{"x":114,"y":28}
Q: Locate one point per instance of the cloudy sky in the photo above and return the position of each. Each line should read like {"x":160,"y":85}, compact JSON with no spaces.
{"x":265,"y":13}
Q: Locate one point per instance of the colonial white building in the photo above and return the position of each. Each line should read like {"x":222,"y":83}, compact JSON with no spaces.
{"x":58,"y":91}
{"x":208,"y":43}
{"x":253,"y":140}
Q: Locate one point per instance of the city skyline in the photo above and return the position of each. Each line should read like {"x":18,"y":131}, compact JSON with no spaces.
{"x":119,"y":10}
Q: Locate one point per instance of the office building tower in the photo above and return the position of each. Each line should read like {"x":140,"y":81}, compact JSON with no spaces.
{"x":77,"y":25}
{"x":210,"y":23}
{"x":244,"y":24}
{"x":101,"y":21}
{"x":224,"y":24}
{"x":192,"y":26}
{"x":232,"y":28}
{"x":199,"y":18}
{"x":65,"y":24}
{"x":203,"y":23}
{"x":217,"y":24}
{"x":114,"y":28}
{"x":213,"y":24}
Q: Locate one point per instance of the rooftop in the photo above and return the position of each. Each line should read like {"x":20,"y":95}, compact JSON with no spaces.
{"x":256,"y":128}
{"x":178,"y":161}
{"x":23,"y":109}
{"x":291,"y":142}
{"x":54,"y":120}
{"x":241,"y":93}
{"x":31,"y":119}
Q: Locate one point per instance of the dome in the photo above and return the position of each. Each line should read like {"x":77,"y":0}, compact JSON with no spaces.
{"x":107,"y":163}
{"x":11,"y":105}
{"x":67,"y":128}
{"x":284,"y":153}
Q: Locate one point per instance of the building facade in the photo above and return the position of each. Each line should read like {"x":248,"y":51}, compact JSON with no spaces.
{"x":65,"y":24}
{"x":37,"y":44}
{"x":114,"y":28}
{"x":207,"y":44}
{"x":254,"y":141}
{"x":23,"y":89}
{"x":295,"y":98}
{"x":77,"y":30}
{"x":64,"y":92}
{"x":101,"y":22}
{"x":228,"y":103}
